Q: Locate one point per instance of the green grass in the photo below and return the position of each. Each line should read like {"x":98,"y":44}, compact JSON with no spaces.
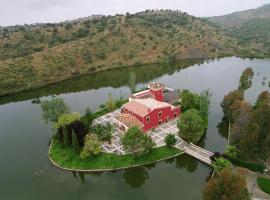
{"x":70,"y":160}
{"x":264,"y":184}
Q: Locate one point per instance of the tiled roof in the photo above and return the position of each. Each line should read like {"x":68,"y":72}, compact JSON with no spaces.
{"x":129,"y":120}
{"x":143,"y":106}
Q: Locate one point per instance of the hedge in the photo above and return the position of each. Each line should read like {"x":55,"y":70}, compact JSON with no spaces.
{"x":251,"y":166}
{"x":264,"y":184}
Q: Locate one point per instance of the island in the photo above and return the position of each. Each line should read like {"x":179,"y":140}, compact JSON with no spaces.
{"x":154,"y":124}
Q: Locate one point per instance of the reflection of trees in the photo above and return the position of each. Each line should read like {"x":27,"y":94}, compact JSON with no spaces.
{"x":186,"y":162}
{"x":135,"y":177}
{"x":114,"y":78}
{"x":82,"y":175}
{"x":223,"y":128}
{"x":132,"y":82}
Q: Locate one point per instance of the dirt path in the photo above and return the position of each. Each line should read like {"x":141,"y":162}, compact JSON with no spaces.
{"x":252,"y":186}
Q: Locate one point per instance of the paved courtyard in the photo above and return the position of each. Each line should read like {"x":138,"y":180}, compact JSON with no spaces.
{"x":158,"y":134}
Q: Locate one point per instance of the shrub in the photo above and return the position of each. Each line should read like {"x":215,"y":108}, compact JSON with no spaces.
{"x":136,"y":142}
{"x":87,"y":118}
{"x":251,"y":166}
{"x":221,"y":163}
{"x":67,"y":119}
{"x":104,"y":132}
{"x":231,"y":151}
{"x":91,"y":146}
{"x":264,"y":184}
{"x":170,"y":139}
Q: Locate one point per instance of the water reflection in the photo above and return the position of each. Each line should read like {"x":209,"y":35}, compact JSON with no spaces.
{"x":129,"y":76}
{"x":186,"y":162}
{"x":135,"y":177}
{"x":223,"y":128}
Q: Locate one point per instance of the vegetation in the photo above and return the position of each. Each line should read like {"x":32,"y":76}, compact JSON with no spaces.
{"x":59,"y":154}
{"x":220,"y":163}
{"x":67,"y":119}
{"x":91,"y":146}
{"x":170,"y":139}
{"x":249,"y":125}
{"x":226,"y":184}
{"x":245,"y":81}
{"x":249,"y":27}
{"x":52,"y":109}
{"x":87,"y":118}
{"x":136,"y":142}
{"x":231,"y":103}
{"x":249,"y":165}
{"x":264,"y":184}
{"x":205,"y":98}
{"x":190,"y":125}
{"x":33,"y":56}
{"x":104,"y":132}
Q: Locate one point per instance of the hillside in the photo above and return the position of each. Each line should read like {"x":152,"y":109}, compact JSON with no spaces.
{"x":37,"y":55}
{"x":250,"y":27}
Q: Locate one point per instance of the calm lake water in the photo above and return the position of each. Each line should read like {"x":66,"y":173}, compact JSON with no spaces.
{"x":24,"y":138}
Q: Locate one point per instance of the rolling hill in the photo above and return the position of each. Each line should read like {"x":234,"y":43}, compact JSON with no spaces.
{"x":32,"y":56}
{"x":250,"y":27}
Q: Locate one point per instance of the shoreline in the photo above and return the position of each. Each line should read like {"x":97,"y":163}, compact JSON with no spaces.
{"x":107,"y":169}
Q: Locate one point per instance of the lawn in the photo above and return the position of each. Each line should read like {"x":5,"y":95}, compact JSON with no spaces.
{"x":264,"y":183}
{"x":68,"y":159}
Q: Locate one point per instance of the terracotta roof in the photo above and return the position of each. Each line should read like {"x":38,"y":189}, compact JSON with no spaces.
{"x":142,"y":107}
{"x":136,"y":107}
{"x":129,"y":120}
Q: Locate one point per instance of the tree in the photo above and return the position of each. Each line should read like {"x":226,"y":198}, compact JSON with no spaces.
{"x":87,"y":118}
{"x":190,"y":126}
{"x":205,"y":98}
{"x":231,"y":151}
{"x":189,"y":100}
{"x":66,"y":140}
{"x":91,"y":146}
{"x":104,"y":132}
{"x":255,"y":142}
{"x":221,"y":163}
{"x":52,"y":109}
{"x":230,"y":102}
{"x":75,"y":145}
{"x":226,"y":185}
{"x":245,"y":79}
{"x":170,"y":139}
{"x":110,"y":104}
{"x":136,"y":142}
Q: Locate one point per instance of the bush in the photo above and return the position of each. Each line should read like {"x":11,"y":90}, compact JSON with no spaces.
{"x":104,"y":132}
{"x":221,"y":163}
{"x":170,"y":139}
{"x":251,"y":166}
{"x":91,"y":146}
{"x":67,"y":119}
{"x":264,"y":184}
{"x":136,"y":142}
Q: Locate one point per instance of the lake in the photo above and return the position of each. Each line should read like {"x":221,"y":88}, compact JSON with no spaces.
{"x":24,"y":137}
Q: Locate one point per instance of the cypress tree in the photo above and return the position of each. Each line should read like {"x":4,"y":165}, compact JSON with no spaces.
{"x":65,"y":133}
{"x":75,"y":145}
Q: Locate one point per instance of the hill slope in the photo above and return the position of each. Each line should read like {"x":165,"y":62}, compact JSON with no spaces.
{"x":36,"y":55}
{"x":250,"y":27}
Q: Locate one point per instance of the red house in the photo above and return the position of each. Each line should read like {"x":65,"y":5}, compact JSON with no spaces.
{"x":147,"y":109}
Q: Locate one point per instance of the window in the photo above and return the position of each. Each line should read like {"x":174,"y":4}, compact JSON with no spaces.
{"x":159,"y":114}
{"x":147,"y":119}
{"x":159,"y":122}
{"x":167,"y":119}
{"x":175,"y":114}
